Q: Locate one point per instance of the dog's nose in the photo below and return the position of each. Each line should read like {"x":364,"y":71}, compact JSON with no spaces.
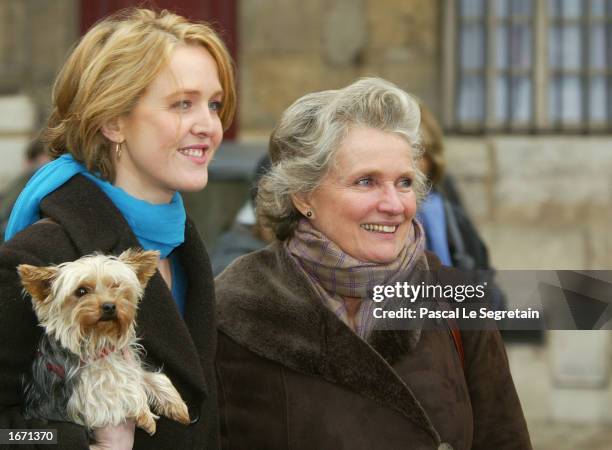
{"x":109,"y":311}
{"x":108,"y":307}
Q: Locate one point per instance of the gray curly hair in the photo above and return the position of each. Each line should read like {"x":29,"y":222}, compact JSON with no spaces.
{"x":304,"y":143}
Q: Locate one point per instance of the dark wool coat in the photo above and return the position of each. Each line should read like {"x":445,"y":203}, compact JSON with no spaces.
{"x":292,"y":375}
{"x":87,"y":221}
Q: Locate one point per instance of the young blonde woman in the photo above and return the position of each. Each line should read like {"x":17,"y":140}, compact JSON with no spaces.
{"x":139,"y":110}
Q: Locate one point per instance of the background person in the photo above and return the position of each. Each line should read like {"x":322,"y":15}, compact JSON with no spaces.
{"x":139,"y":110}
{"x":35,"y":157}
{"x":246,"y":234}
{"x":449,"y":231}
{"x":299,"y":360}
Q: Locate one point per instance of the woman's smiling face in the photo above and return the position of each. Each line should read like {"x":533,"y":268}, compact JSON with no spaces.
{"x":174,"y":130}
{"x":365,"y":203}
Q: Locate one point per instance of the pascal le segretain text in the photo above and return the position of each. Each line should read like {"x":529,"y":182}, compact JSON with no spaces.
{"x":456,"y":313}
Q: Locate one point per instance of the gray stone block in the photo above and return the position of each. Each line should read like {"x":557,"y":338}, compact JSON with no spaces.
{"x":11,"y":153}
{"x":344,"y":32}
{"x":280,"y":26}
{"x":468,"y":158}
{"x":537,"y":247}
{"x":17,"y":114}
{"x":551,"y":179}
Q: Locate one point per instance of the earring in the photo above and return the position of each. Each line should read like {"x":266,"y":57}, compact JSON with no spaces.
{"x":118,"y":149}
{"x":309,"y":214}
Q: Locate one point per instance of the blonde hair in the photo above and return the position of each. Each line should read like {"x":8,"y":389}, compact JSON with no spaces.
{"x":304,"y":143}
{"x":108,"y":71}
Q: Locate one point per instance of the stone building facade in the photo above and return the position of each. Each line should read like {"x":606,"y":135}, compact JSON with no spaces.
{"x":289,"y":48}
{"x":541,"y":200}
{"x":35,"y":37}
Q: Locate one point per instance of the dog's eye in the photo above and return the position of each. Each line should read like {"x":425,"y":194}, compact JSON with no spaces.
{"x":80,"y":292}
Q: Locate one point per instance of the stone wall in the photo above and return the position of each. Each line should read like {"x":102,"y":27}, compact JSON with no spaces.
{"x":35,"y":36}
{"x":289,"y":48}
{"x":17,"y":114}
{"x":541,"y":202}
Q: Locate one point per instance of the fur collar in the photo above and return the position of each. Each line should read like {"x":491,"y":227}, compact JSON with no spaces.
{"x":266,"y":304}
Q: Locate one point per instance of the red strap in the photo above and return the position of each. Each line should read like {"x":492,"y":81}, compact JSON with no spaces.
{"x":56,"y":369}
{"x":456,"y":334}
{"x":459,"y":345}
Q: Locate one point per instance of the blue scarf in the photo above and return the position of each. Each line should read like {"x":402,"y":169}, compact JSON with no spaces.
{"x":157,"y":227}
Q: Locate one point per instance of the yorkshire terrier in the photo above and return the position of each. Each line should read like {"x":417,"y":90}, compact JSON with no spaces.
{"x":88,"y":368}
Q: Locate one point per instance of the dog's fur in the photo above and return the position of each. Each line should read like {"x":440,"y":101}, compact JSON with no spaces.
{"x":88,"y":368}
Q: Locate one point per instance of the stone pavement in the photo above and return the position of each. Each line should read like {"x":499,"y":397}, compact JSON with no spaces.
{"x":531,"y":371}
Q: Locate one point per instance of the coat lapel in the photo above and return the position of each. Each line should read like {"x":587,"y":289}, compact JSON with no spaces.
{"x":166,"y":337}
{"x":95,"y":224}
{"x":200,"y":306}
{"x":267,"y":305}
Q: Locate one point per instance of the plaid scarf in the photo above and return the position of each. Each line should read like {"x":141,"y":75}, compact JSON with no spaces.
{"x":336,"y":275}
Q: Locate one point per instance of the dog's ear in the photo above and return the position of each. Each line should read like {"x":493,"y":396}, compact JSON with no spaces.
{"x":144,"y":263}
{"x":37,"y":280}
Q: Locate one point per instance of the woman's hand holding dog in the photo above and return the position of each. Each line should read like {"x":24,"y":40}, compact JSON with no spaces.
{"x":120,"y":437}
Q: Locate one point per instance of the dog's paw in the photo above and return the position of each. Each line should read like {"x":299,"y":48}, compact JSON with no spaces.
{"x":146,"y":422}
{"x":179,"y":412}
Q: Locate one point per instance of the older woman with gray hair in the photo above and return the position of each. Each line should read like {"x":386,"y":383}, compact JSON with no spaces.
{"x":300,"y":362}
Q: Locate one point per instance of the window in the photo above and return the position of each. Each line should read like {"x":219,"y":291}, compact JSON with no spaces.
{"x":528,"y":65}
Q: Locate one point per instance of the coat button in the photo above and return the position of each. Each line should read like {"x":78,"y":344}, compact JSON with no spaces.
{"x":445,"y":446}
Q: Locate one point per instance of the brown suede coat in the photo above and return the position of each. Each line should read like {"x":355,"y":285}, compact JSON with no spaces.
{"x":84,"y":221}
{"x":291,"y":375}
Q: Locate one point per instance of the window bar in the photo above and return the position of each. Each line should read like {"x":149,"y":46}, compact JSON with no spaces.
{"x":531,"y":119}
{"x":608,"y":64}
{"x":540,"y":64}
{"x":509,"y":68}
{"x":559,"y":71}
{"x":457,"y":66}
{"x":531,"y":73}
{"x":450,"y":73}
{"x":585,"y":72}
{"x":487,"y":61}
{"x":489,"y":69}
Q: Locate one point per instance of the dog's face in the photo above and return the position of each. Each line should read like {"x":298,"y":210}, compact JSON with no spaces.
{"x":92,"y":300}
